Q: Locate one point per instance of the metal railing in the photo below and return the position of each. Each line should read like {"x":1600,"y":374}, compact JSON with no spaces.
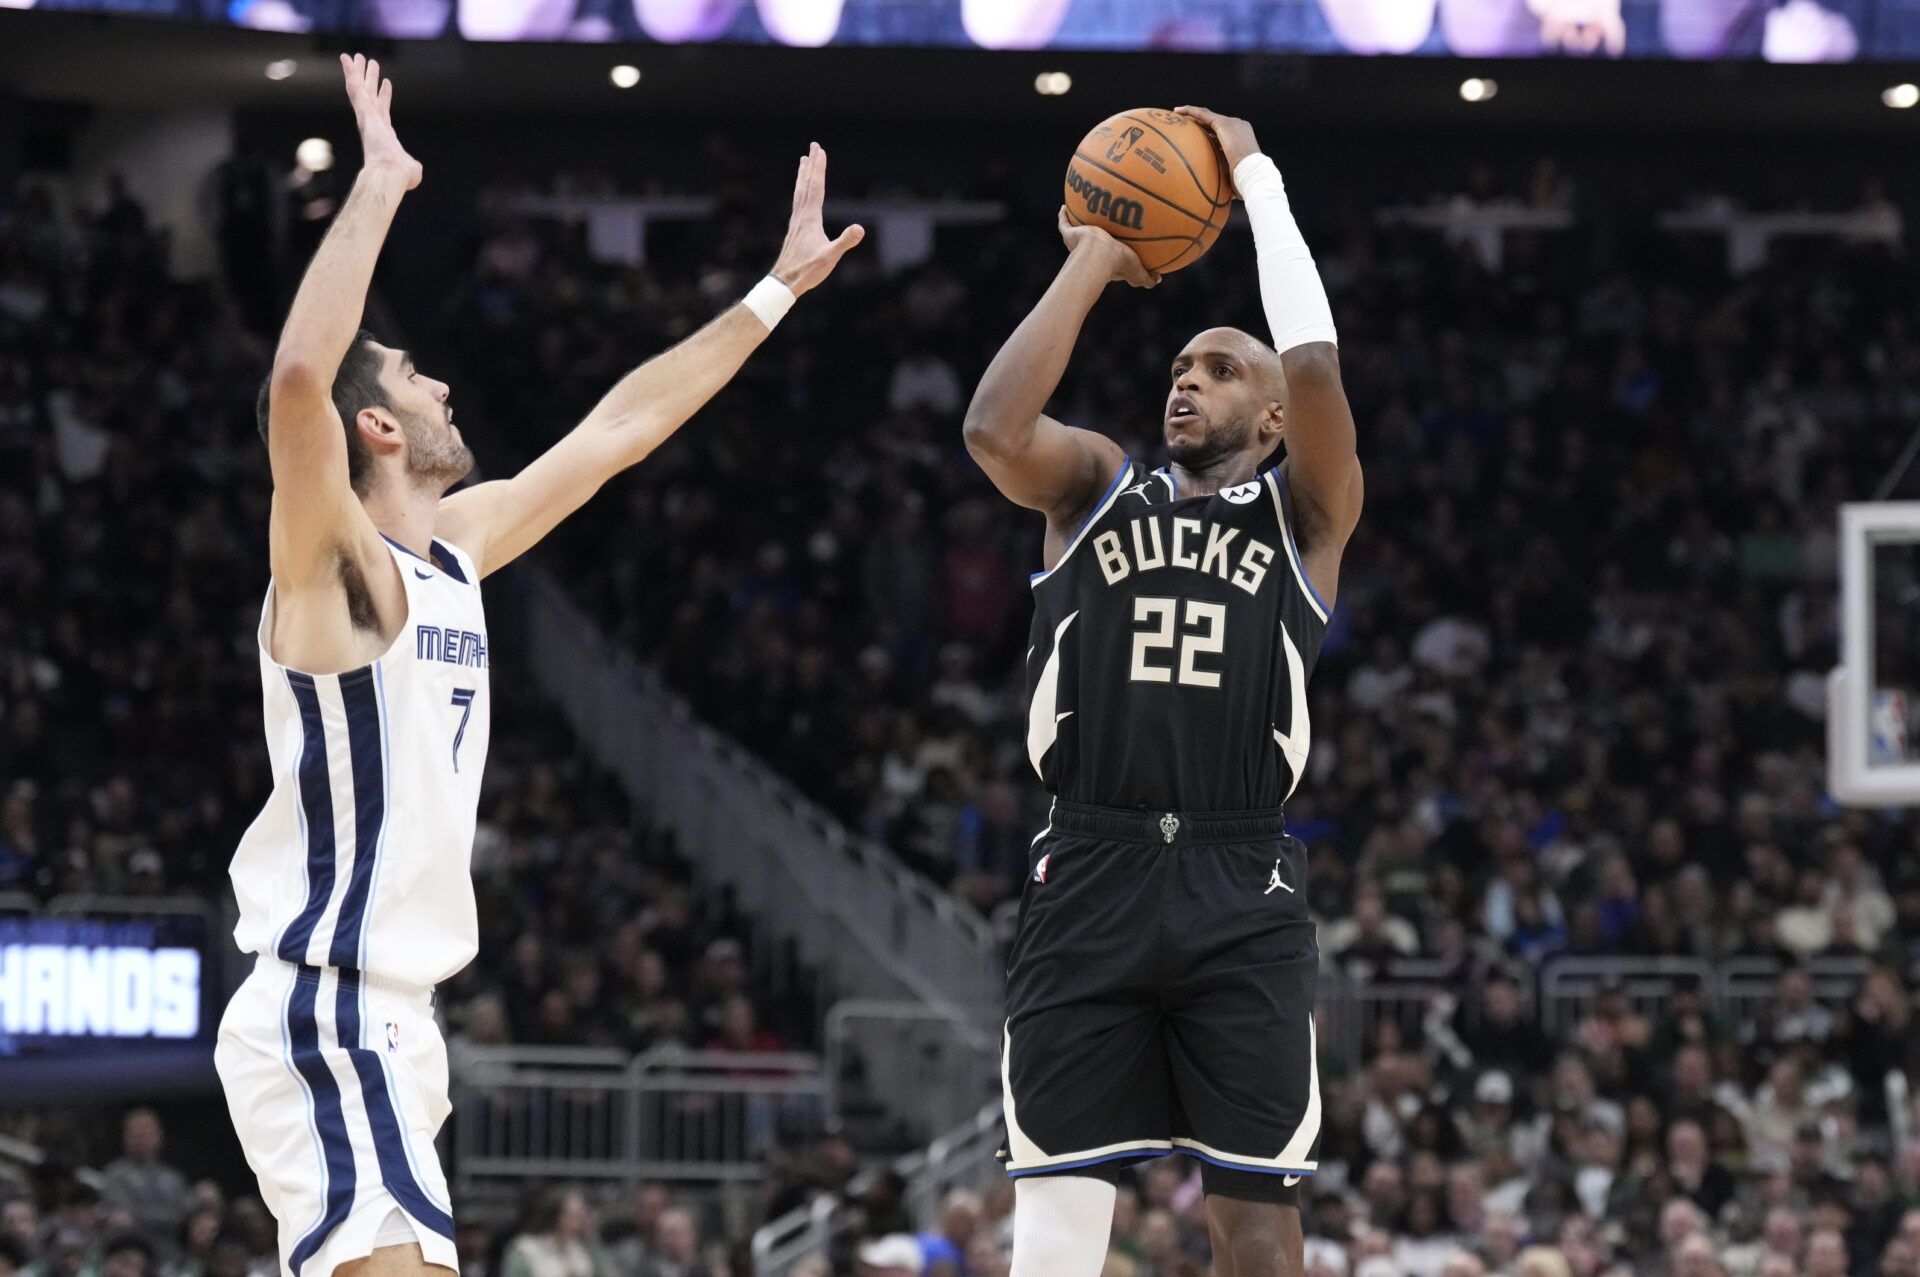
{"x":1748,"y":984}
{"x":1568,"y":986}
{"x":962,"y":1158}
{"x":587,"y":1113}
{"x":1351,"y":1006}
{"x":21,"y":1153}
{"x":927,"y":1068}
{"x":876,"y":929}
{"x":1352,"y":1003}
{"x":779,"y":1245}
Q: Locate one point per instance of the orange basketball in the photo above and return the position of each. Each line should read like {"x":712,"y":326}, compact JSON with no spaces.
{"x":1155,"y":180}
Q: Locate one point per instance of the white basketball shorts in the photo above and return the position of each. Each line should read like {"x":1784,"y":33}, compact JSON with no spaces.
{"x":337,"y":1082}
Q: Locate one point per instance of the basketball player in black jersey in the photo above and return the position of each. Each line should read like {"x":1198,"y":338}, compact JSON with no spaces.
{"x":1161,"y":981}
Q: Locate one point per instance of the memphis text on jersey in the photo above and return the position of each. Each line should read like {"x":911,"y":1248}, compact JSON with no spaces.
{"x":449,"y":645}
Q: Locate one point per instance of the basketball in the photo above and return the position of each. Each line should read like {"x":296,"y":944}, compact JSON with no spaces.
{"x":1155,"y":180}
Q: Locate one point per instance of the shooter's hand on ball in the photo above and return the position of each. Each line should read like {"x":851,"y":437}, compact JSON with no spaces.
{"x":372,"y":99}
{"x":1235,"y":136}
{"x":809,"y":256}
{"x":1123,"y":262}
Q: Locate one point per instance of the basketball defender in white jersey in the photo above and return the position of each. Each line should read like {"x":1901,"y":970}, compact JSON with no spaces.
{"x":354,"y":882}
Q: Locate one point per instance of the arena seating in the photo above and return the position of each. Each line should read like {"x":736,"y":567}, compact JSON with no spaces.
{"x":1607,"y":973}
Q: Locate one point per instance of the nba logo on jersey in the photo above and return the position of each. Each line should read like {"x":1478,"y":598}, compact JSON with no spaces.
{"x":1243,"y":493}
{"x":393,"y":1037}
{"x":1040,"y":870}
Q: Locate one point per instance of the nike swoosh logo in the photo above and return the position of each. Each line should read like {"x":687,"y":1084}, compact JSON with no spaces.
{"x":424,"y":576}
{"x":1288,"y":1181}
{"x":1063,"y":716}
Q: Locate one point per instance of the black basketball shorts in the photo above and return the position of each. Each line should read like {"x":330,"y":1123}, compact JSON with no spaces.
{"x":1160,"y":995}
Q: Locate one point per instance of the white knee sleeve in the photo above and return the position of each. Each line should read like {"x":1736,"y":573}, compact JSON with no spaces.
{"x":1061,"y":1224}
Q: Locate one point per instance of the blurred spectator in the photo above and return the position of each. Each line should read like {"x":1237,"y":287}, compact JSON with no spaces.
{"x":740,"y":1028}
{"x":1793,"y":1017}
{"x":634,"y":1255}
{"x":676,"y":1241}
{"x":558,"y":1239}
{"x":1372,"y":934}
{"x":199,"y":1233}
{"x":127,"y":1255}
{"x":1697,"y":1177}
{"x":1503,"y":1035}
{"x":154,"y":1196}
{"x":944,"y":1247}
{"x":894,"y":1255}
{"x":1826,"y":1254}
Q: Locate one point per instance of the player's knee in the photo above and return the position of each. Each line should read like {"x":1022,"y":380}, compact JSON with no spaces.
{"x":1262,"y":1237}
{"x":1260,"y":1256}
{"x":1061,"y":1224}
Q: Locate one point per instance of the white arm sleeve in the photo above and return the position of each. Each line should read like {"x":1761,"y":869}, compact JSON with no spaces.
{"x":1290,"y":287}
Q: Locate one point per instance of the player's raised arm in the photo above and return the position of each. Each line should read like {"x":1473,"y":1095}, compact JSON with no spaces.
{"x":1323,"y":466}
{"x":499,"y":521}
{"x":316,"y":517}
{"x":1036,"y":461}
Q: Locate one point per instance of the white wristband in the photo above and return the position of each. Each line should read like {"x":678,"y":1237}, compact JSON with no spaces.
{"x":770,"y":300}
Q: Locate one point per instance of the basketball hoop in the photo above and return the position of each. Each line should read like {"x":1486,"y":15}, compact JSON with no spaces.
{"x":1870,"y":760}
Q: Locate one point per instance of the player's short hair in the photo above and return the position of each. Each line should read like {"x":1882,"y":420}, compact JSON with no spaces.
{"x":355,"y":386}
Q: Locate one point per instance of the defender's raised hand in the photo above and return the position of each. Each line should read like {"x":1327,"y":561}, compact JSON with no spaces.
{"x":1234,"y":135}
{"x":372,"y":98}
{"x":808,"y":256}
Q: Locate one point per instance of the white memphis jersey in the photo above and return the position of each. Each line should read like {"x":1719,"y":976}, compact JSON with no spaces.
{"x":362,"y":857}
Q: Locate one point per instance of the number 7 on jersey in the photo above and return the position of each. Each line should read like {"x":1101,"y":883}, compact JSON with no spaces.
{"x":463,"y":698}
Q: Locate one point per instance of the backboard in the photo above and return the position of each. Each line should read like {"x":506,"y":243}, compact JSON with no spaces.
{"x":1873,"y":697}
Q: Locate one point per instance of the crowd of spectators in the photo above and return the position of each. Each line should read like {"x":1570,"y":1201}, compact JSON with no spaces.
{"x":1572,"y":699}
{"x":1570,"y":704}
{"x":141,"y":1216}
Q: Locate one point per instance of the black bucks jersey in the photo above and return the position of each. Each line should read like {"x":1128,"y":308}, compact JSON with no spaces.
{"x":1171,"y":649}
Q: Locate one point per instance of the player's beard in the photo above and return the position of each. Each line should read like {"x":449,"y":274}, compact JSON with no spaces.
{"x":1223,"y":439}
{"x":436,"y":458}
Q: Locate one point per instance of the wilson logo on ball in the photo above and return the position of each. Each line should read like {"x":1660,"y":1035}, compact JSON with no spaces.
{"x":1102,"y":203}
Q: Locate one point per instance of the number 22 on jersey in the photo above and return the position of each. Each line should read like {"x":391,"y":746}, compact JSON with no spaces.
{"x":1201,"y":632}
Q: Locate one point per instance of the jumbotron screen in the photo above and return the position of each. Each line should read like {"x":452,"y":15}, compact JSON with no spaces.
{"x":94,"y":1005}
{"x":1770,"y":30}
